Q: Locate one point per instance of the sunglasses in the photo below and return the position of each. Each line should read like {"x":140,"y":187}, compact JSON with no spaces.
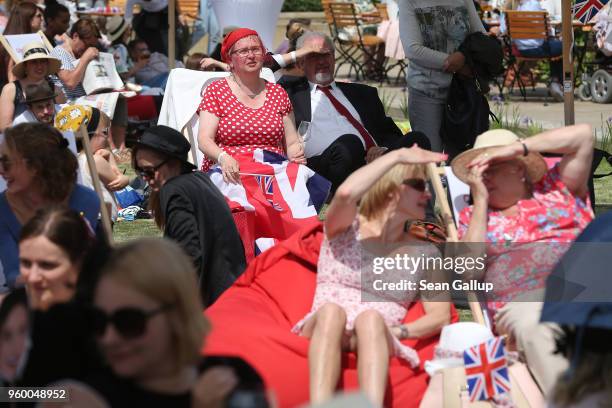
{"x":416,"y":183}
{"x":129,"y":322}
{"x":149,"y":172}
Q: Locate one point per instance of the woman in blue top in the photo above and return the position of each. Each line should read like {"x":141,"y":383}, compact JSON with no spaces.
{"x":39,"y":171}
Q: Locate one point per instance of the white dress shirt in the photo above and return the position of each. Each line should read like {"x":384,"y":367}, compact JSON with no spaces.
{"x":326,"y":124}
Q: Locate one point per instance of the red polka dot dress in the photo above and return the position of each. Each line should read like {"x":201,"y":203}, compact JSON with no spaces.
{"x":242,"y":129}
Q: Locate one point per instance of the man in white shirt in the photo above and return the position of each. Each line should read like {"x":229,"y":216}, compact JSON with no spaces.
{"x":347,"y":121}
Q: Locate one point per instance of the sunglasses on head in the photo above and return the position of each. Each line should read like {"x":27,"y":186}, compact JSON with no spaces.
{"x":129,"y":322}
{"x":149,"y":172}
{"x":416,"y":183}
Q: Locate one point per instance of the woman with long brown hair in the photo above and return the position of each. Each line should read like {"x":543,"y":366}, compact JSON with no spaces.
{"x":25,"y":18}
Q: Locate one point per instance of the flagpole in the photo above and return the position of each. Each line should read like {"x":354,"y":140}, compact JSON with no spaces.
{"x":568,"y":62}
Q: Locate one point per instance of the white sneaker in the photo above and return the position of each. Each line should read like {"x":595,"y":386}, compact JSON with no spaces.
{"x":556,"y":91}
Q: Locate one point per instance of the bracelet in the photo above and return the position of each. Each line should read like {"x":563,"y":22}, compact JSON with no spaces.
{"x":525,"y":150}
{"x":293,"y":57}
{"x":221,"y":155}
{"x":403,"y":332}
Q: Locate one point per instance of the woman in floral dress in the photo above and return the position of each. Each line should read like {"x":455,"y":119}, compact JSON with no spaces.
{"x":369,"y":210}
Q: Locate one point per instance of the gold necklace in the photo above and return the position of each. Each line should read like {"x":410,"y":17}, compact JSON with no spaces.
{"x":252,"y":96}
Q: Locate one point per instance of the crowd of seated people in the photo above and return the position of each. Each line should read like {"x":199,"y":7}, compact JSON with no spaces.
{"x":124,"y":325}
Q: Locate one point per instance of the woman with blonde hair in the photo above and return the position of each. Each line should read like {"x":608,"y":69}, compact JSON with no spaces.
{"x":148,"y":324}
{"x":392,"y":190}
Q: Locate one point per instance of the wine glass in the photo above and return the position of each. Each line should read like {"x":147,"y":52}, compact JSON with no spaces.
{"x":303,"y":133}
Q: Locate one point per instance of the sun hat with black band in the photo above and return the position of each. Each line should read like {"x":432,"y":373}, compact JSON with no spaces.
{"x":115,"y":27}
{"x":35,"y":51}
{"x":534,"y":162}
{"x":168,"y":142}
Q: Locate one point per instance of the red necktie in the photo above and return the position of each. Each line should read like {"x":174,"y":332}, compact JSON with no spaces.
{"x":367,"y":138}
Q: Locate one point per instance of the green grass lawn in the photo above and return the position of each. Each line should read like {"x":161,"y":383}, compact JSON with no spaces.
{"x":603,"y":188}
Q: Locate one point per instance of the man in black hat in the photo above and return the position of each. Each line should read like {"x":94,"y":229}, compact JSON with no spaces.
{"x":40,"y":99}
{"x":190,"y":209}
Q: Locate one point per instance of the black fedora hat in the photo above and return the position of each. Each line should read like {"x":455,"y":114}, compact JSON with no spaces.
{"x":167,"y":141}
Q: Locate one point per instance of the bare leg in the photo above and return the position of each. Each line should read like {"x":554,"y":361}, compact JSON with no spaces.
{"x":325,"y":330}
{"x":118,"y":137}
{"x":373,"y":350}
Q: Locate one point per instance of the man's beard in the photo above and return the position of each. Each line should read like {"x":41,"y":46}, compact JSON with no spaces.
{"x":323,"y":78}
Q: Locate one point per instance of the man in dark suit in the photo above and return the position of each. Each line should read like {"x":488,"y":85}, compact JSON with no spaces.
{"x":347,"y":122}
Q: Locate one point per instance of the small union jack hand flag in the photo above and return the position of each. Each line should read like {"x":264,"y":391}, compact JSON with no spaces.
{"x":486,"y":370}
{"x":585,"y":10}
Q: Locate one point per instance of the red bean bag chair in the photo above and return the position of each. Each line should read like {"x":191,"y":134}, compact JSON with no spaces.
{"x":253,"y":320}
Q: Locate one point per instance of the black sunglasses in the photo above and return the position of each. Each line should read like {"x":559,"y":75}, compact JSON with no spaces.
{"x":149,"y":172}
{"x":416,"y":183}
{"x":129,"y":322}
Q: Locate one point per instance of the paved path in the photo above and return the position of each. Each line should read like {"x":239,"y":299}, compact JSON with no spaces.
{"x":538,"y":107}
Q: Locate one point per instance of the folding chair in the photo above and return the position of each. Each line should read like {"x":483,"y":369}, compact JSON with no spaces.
{"x":525,"y":25}
{"x":399,"y":63}
{"x":352,"y":47}
{"x":342,"y":57}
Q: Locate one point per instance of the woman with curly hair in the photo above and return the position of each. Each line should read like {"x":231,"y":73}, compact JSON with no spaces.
{"x":39,"y":171}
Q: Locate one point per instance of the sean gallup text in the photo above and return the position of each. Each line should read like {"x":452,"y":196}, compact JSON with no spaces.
{"x":458,"y":284}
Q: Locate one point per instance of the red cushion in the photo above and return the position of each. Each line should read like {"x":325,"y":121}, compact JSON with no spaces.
{"x":142,"y":107}
{"x":254,"y":317}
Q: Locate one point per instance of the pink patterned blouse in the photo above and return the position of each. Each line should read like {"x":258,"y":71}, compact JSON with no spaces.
{"x":524,"y":248}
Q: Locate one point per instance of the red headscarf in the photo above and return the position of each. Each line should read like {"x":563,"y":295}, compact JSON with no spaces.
{"x":233,"y":37}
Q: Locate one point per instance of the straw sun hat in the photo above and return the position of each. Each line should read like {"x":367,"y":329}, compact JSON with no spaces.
{"x":488,"y":141}
{"x":115,"y":27}
{"x":34,"y":51}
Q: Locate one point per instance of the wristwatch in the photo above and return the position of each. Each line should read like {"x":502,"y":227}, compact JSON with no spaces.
{"x":403,"y":332}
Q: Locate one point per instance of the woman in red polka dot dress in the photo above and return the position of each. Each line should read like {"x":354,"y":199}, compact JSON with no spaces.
{"x":243,"y":112}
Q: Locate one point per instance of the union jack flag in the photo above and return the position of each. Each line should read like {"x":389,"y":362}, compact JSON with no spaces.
{"x":486,"y":370}
{"x":275,"y":198}
{"x":585,"y":10}
{"x":267,"y":187}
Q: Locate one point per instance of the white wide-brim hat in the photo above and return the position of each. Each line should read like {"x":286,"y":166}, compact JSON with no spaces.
{"x":32,"y":52}
{"x":491,"y":139}
{"x":454,"y":340}
{"x":115,"y":27}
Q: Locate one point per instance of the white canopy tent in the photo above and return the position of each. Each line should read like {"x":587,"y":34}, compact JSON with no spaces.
{"x":260,"y":15}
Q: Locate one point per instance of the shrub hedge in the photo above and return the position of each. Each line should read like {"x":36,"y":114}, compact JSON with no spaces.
{"x":302,"y":5}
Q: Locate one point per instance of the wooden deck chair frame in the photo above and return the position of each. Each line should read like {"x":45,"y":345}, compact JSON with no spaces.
{"x":434,"y":173}
{"x":525,"y":25}
{"x":95,"y":177}
{"x":345,"y":15}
